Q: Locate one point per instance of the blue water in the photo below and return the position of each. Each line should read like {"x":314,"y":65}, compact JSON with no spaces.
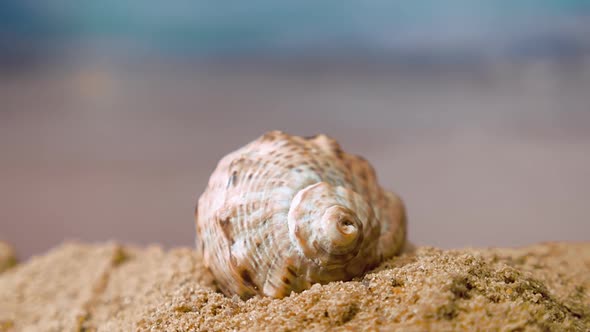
{"x":205,"y":28}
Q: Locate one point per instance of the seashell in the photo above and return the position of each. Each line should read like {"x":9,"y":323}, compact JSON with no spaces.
{"x":285,"y":212}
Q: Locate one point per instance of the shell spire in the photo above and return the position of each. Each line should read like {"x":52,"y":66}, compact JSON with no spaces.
{"x":329,"y":224}
{"x":285,"y":212}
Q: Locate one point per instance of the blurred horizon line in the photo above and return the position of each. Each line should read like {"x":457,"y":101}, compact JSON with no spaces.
{"x":327,"y":62}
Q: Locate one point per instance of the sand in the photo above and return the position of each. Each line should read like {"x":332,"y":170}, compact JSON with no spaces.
{"x":111,"y":287}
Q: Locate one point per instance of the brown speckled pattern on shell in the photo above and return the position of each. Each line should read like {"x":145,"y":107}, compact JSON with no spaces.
{"x":285,"y":212}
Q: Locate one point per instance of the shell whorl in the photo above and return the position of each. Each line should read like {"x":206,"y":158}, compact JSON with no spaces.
{"x":328,"y":224}
{"x":285,"y":212}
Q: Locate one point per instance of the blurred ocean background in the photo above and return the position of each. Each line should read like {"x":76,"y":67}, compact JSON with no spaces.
{"x":114,"y":113}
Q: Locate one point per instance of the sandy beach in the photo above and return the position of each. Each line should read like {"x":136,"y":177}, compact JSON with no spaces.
{"x":111,"y":287}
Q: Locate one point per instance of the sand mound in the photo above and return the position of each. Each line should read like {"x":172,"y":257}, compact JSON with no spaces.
{"x":78,"y":287}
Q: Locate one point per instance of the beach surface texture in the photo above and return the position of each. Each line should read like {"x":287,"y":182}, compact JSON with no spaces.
{"x":113,"y":287}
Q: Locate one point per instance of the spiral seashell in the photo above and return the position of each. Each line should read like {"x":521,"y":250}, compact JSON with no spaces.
{"x":286,"y":212}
